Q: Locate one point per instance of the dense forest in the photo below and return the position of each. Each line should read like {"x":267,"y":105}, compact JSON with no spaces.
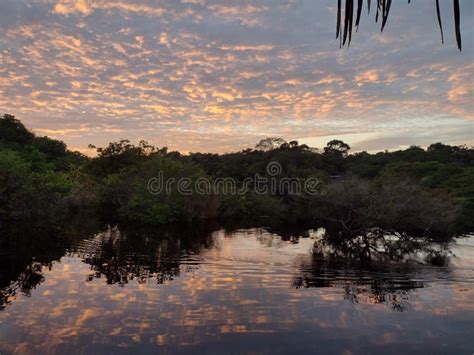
{"x":421,"y":192}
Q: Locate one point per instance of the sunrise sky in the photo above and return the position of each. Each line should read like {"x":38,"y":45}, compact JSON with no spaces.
{"x":219,"y":75}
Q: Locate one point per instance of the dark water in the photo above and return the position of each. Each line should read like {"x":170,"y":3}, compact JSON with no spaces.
{"x":246,"y":291}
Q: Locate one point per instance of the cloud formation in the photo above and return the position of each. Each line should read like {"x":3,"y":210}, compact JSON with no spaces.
{"x":65,"y":7}
{"x":218,"y":75}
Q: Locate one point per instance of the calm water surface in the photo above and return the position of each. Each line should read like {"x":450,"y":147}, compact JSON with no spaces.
{"x":248,"y":291}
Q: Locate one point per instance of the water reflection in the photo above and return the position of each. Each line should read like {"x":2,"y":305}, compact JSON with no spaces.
{"x":121,"y":258}
{"x":373,"y":266}
{"x":377,"y":284}
{"x":27,"y":251}
{"x":209,"y":289}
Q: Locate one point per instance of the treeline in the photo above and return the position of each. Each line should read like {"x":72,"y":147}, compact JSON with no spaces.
{"x":415,"y":190}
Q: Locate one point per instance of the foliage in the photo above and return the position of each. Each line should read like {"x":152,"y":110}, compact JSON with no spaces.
{"x":127,"y":190}
{"x":13,"y":133}
{"x":421,"y":190}
{"x":344,"y":31}
{"x":27,"y":191}
{"x":270,"y":144}
{"x":392,"y":204}
{"x":33,"y":172}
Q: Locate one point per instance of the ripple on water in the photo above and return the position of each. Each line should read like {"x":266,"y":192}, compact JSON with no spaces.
{"x":236,"y":291}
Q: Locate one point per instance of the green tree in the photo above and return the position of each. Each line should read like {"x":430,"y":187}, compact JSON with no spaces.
{"x":13,"y":133}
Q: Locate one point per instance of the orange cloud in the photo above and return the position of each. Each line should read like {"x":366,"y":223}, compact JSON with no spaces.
{"x":66,"y":7}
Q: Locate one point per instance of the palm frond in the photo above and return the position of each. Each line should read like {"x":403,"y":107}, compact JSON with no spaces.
{"x":338,"y":23}
{"x":438,"y":13}
{"x":359,"y":12}
{"x":344,"y":32}
{"x":457,"y":23}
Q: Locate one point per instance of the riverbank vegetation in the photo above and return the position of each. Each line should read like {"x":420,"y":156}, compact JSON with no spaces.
{"x":416,"y":191}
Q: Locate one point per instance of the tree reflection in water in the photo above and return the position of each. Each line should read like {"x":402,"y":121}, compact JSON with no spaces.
{"x":378,"y":266}
{"x":27,"y":250}
{"x":25,"y":281}
{"x":383,"y":267}
{"x":125,"y":256}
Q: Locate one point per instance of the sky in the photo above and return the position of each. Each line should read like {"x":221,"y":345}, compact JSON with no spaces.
{"x":219,"y":75}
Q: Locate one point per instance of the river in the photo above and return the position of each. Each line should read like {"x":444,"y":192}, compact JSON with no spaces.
{"x":240,"y":291}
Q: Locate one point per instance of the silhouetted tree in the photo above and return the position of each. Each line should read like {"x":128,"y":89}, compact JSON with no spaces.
{"x":270,"y":144}
{"x":337,"y":147}
{"x":13,"y":132}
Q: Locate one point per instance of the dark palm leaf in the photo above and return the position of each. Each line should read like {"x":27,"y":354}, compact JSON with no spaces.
{"x":359,"y":12}
{"x":387,"y":10}
{"x":347,"y":20}
{"x":438,"y":12}
{"x":338,"y":24}
{"x":457,"y":23}
{"x":383,"y":10}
